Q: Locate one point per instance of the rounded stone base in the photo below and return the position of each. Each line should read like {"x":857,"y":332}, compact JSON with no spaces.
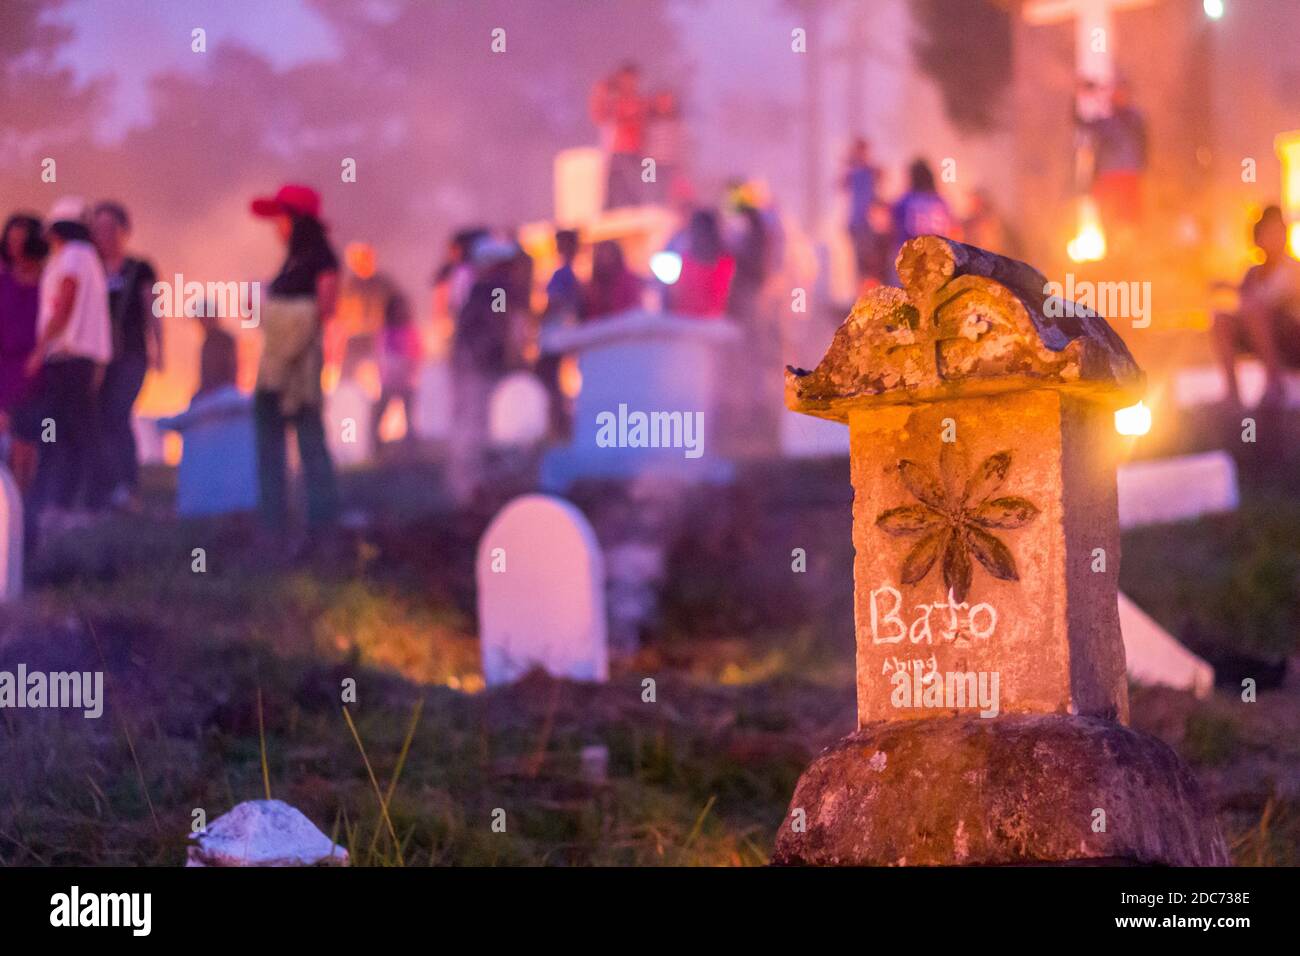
{"x":1017,"y":789}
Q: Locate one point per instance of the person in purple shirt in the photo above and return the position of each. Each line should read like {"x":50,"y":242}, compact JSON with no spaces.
{"x":921,"y":211}
{"x":22,"y":254}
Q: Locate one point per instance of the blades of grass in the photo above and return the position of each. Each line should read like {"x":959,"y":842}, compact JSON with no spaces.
{"x":261,"y":740}
{"x":699,"y":821}
{"x":401,"y":762}
{"x":383,"y":807}
{"x":130,"y":744}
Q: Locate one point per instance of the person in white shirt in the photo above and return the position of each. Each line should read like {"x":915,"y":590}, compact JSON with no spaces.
{"x":73,"y":345}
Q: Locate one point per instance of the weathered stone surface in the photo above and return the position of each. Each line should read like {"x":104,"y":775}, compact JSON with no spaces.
{"x":264,"y":833}
{"x":969,"y":323}
{"x":1003,"y":522}
{"x":1016,"y":790}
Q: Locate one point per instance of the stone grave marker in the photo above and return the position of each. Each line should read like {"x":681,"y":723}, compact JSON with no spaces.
{"x":1155,"y":656}
{"x":648,"y":402}
{"x":541,"y":593}
{"x":518,"y":411}
{"x":11,"y":538}
{"x":992,"y":700}
{"x":1178,"y":488}
{"x":218,"y":468}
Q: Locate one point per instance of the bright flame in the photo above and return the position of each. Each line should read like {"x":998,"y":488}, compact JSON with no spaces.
{"x":1134,"y":420}
{"x":1213,"y":8}
{"x":1090,"y":243}
{"x":667,"y":267}
{"x":1288,"y":153}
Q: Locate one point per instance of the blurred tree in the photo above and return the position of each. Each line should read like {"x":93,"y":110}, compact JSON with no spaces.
{"x":40,"y":103}
{"x":965,"y":47}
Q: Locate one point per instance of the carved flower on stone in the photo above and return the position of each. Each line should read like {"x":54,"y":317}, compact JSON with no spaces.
{"x":957,"y":527}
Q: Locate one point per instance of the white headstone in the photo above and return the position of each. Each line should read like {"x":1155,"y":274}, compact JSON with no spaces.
{"x":518,"y":411}
{"x":11,"y":538}
{"x":347,"y":424}
{"x":1205,"y":385}
{"x":1176,"y":489}
{"x":541,"y":593}
{"x":1155,"y":656}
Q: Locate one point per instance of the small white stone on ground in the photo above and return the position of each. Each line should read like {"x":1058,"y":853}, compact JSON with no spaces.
{"x":264,"y":833}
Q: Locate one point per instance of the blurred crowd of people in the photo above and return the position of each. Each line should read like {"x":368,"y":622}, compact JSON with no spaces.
{"x":79,"y":331}
{"x":77,"y":335}
{"x":878,"y":228}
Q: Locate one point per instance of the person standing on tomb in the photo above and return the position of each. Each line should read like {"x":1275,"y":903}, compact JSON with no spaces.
{"x":137,"y":347}
{"x":1267,"y":320}
{"x":665,"y":143}
{"x":288,"y":391}
{"x":619,"y":109}
{"x":861,"y":181}
{"x":703,"y":288}
{"x":74,"y":343}
{"x":22,"y":255}
{"x":1119,"y":161}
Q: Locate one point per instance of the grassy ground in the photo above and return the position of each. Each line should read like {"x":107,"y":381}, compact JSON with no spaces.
{"x":226,"y":683}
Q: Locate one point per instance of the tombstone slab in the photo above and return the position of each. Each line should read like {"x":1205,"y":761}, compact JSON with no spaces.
{"x":1178,"y":488}
{"x":218,"y":468}
{"x":541,"y":593}
{"x":519,"y":411}
{"x":648,"y":402}
{"x":983,"y":459}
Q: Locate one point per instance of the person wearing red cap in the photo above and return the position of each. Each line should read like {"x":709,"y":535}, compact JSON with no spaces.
{"x":288,"y":390}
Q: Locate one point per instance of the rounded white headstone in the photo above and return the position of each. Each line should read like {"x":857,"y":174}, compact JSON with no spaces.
{"x":518,"y":411}
{"x":541,"y":593}
{"x":11,"y":538}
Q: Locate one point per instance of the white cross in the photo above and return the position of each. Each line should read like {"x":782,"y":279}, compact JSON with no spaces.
{"x":1093,"y":36}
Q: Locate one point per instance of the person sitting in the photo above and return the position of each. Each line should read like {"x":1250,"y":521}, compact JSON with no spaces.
{"x":1267,"y":320}
{"x":613,"y":288}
